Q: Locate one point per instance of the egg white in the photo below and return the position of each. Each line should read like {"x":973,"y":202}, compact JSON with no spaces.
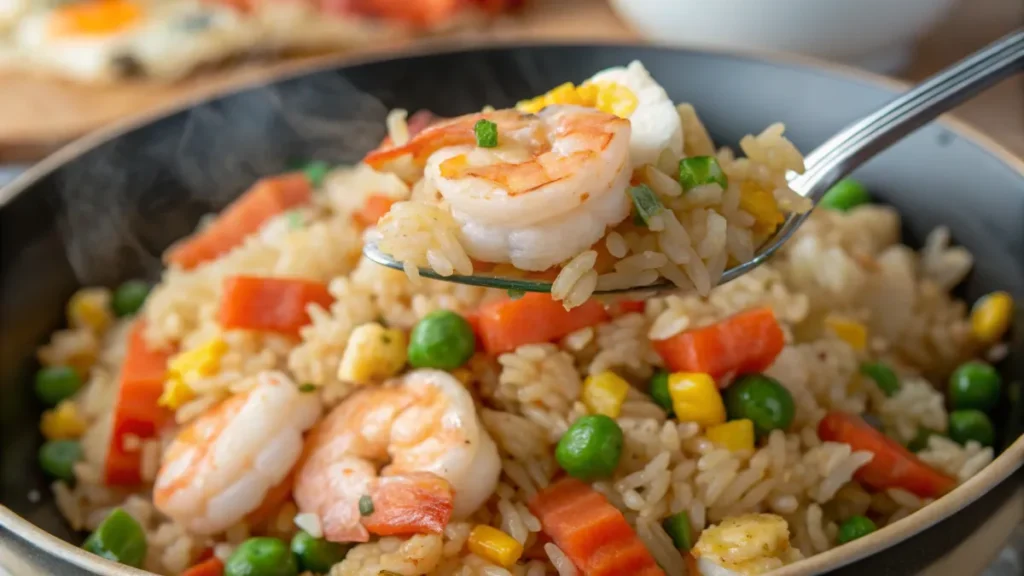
{"x":655,"y":122}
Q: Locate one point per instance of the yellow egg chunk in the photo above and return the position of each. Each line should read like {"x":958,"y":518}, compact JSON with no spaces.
{"x":850,"y":331}
{"x":607,"y":97}
{"x":991,"y":316}
{"x":198,"y":363}
{"x":90,"y":308}
{"x":175,"y":394}
{"x":760,"y":204}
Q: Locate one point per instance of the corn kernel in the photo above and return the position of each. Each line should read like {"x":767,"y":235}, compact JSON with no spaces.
{"x":90,"y":308}
{"x":494,"y":545}
{"x":198,"y":363}
{"x":63,"y":422}
{"x":850,"y":331}
{"x":695,"y":398}
{"x":175,"y":394}
{"x":991,"y":316}
{"x":760,"y":204}
{"x":564,"y":94}
{"x":604,"y":393}
{"x":373,"y":353}
{"x":733,"y":436}
{"x":615,"y":99}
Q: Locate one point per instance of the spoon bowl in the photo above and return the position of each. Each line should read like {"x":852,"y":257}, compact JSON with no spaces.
{"x":826,"y":165}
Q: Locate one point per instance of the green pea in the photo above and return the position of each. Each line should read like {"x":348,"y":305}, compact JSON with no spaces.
{"x":844,"y":195}
{"x":129,"y":297}
{"x":965,"y":425}
{"x":975,"y":385}
{"x":57,"y":458}
{"x":55,"y":384}
{"x":762,"y":400}
{"x":677,"y":526}
{"x":119,"y":538}
{"x":315,"y":172}
{"x":659,"y":392}
{"x":442,"y":339}
{"x":920,"y":440}
{"x":884,"y":377}
{"x":262,"y":557}
{"x":590,"y":448}
{"x":317,"y":554}
{"x":854,"y":527}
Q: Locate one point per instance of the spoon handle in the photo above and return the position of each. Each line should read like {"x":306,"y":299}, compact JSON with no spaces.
{"x":867,"y":137}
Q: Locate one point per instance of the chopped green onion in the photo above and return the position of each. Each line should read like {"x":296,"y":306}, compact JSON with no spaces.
{"x":677,"y":526}
{"x":365,"y":505}
{"x":307,"y":387}
{"x":701,"y":170}
{"x":294,"y":219}
{"x":646,"y":203}
{"x":486,"y":134}
{"x":516,"y":294}
{"x":316,"y":171}
{"x":883,"y":376}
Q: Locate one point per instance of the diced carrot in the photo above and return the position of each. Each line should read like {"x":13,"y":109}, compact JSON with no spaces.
{"x":269,"y":304}
{"x":893,"y":466}
{"x":410,"y":504}
{"x":505,"y":325}
{"x":266,"y":199}
{"x":590,"y":531}
{"x":206,"y":554}
{"x":209,"y":567}
{"x":135,"y":410}
{"x":375,"y":207}
{"x":422,"y":13}
{"x":623,"y":307}
{"x":743,"y":343}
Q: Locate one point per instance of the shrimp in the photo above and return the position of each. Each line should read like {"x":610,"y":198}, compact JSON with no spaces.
{"x":547,"y":192}
{"x":441,"y":461}
{"x":225,"y":464}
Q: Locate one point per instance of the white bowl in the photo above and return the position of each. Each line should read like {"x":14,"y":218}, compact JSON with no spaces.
{"x":876,"y":34}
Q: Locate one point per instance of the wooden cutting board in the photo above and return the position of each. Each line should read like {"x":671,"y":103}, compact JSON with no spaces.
{"x":38,"y":114}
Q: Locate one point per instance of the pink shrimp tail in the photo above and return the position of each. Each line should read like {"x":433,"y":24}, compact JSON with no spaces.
{"x":413,"y":503}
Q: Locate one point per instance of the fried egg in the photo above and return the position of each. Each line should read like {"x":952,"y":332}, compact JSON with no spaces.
{"x":655,"y":122}
{"x":106,"y":40}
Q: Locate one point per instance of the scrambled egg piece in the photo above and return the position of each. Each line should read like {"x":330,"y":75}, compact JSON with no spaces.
{"x":744,"y":546}
{"x":373,"y":353}
{"x":187,"y":367}
{"x":761,"y":204}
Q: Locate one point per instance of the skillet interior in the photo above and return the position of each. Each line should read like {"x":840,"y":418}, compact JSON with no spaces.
{"x":106,"y":213}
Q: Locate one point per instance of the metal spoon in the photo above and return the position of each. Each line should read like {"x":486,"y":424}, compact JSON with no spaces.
{"x":831,"y":161}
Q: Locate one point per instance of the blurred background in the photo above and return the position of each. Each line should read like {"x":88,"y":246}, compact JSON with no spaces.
{"x":42,"y":106}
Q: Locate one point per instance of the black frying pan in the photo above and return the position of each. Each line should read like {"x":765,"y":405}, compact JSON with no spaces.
{"x":102,"y":210}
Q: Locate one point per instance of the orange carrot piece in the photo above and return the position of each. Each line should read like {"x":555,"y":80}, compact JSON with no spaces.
{"x":590,"y":531}
{"x":135,"y":410}
{"x":505,"y":325}
{"x":623,"y":307}
{"x":743,"y":343}
{"x":424,"y":13}
{"x":269,"y":304}
{"x":893,"y":466}
{"x":375,"y":207}
{"x":209,"y":567}
{"x":411,"y":504}
{"x":266,"y":199}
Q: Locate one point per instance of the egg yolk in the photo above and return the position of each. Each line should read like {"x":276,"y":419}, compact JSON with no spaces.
{"x":605,"y":96}
{"x":95,"y":18}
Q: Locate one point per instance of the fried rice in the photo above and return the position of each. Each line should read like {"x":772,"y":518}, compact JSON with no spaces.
{"x":848,"y":266}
